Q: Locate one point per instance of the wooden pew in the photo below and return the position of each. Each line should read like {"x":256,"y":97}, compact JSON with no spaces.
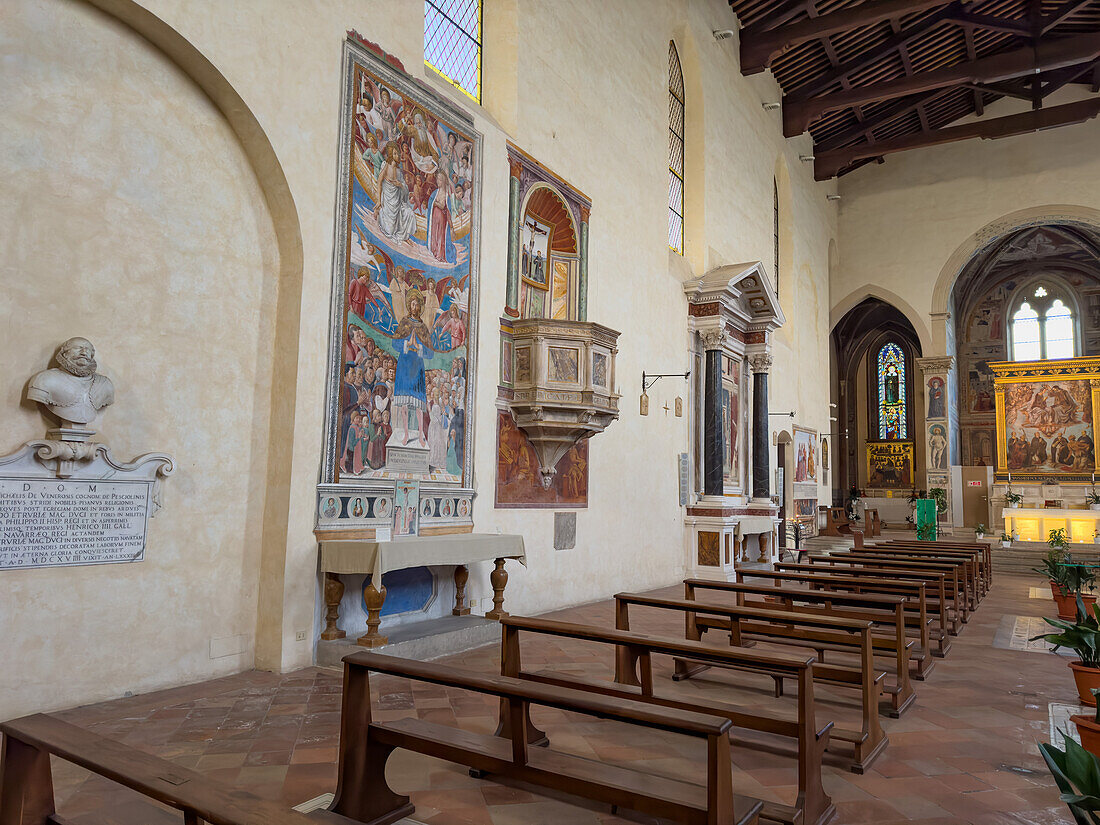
{"x":26,"y":782}
{"x":841,"y":581}
{"x":871,"y":519}
{"x":362,"y":792}
{"x":870,"y":740}
{"x":974,"y":563}
{"x":981,"y":550}
{"x":957,"y":577}
{"x":634,"y":680}
{"x":882,"y":610}
{"x":953,"y":598}
{"x":836,"y":522}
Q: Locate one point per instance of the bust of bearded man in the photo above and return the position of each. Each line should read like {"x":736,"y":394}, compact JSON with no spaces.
{"x":75,"y":393}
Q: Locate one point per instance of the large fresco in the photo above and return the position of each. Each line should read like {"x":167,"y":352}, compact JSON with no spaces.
{"x":408,"y":293}
{"x":518,"y":483}
{"x":1048,"y":427}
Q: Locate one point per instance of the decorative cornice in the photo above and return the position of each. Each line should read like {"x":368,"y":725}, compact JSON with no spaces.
{"x":1015,"y":371}
{"x":936,"y":363}
{"x":712,"y":337}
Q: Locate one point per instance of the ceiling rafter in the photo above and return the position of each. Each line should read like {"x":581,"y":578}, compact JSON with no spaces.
{"x":828,"y":164}
{"x":860,"y":74}
{"x":1048,"y":54}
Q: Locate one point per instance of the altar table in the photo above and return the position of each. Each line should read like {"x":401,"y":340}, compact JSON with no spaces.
{"x":357,"y":555}
{"x":1035,"y":523}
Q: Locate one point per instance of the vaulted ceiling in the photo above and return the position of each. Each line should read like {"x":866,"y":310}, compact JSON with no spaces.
{"x":868,"y":78}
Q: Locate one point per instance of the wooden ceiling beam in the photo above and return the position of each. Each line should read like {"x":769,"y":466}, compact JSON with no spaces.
{"x":871,"y":56}
{"x":759,"y":47}
{"x":988,"y":21}
{"x":1065,"y":12}
{"x":867,"y":127}
{"x":1044,"y":56}
{"x":828,"y":164}
{"x":782,"y":15}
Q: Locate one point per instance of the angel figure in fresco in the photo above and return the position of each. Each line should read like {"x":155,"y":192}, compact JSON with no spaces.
{"x":439,"y":219}
{"x":397,"y":283}
{"x":386,"y":115}
{"x":431,"y":304}
{"x":395,"y":214}
{"x":410,"y":390}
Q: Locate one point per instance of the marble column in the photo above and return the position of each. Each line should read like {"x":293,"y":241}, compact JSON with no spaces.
{"x":761,"y":363}
{"x":582,"y":269}
{"x":511,"y":295}
{"x":714,"y":442}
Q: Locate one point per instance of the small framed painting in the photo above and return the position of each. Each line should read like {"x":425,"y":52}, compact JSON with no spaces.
{"x":406,"y":509}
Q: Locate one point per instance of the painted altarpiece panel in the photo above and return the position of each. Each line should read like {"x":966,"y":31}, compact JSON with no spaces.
{"x":890,"y":465}
{"x":732,"y":424}
{"x":1045,"y":417}
{"x":405,"y":280}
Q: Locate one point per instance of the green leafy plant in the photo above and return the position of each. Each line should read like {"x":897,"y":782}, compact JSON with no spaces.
{"x":980,"y":530}
{"x":1057,"y":538}
{"x":1077,"y":579}
{"x":1082,"y":635}
{"x":1077,"y":774}
{"x":1012,"y":498}
{"x":940,"y":495}
{"x":1007,"y":537}
{"x":1051,"y":565}
{"x":1092,"y":497}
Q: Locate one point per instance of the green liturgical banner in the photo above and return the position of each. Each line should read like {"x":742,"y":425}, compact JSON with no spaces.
{"x":926,"y":519}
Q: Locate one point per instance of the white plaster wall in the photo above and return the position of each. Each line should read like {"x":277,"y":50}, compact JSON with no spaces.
{"x":128,"y":215}
{"x":900,"y":222}
{"x":591,"y":104}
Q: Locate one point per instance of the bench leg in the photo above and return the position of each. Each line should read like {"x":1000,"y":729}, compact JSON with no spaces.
{"x":370,"y":800}
{"x":26,"y":784}
{"x":719,"y":780}
{"x":504,"y":728}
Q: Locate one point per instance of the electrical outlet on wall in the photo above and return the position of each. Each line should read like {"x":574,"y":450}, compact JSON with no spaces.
{"x":300,"y":636}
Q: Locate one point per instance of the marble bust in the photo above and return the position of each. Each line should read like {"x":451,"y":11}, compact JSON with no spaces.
{"x":73,"y":391}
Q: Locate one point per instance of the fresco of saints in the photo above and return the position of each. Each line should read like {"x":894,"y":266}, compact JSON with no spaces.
{"x":439,"y":219}
{"x":423,"y":147}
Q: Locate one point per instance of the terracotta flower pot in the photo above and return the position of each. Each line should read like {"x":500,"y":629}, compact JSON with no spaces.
{"x":1067,"y":604}
{"x":1087,"y":679}
{"x":1089,"y":732}
{"x":1054,"y":590}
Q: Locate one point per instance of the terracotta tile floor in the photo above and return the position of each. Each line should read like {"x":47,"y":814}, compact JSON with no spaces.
{"x":964,"y":753}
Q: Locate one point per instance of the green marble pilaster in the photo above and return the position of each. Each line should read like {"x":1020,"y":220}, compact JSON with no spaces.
{"x":511,"y":299}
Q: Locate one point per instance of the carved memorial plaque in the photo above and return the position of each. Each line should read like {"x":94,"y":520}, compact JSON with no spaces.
{"x":57,"y":523}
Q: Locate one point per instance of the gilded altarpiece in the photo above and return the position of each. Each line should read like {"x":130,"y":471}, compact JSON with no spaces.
{"x":404,"y":302}
{"x":1045,"y":414}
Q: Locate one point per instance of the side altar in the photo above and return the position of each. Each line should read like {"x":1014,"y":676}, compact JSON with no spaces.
{"x":347,"y":554}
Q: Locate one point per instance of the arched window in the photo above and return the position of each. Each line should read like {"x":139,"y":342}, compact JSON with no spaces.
{"x":892,"y":412}
{"x":675,"y":151}
{"x":1042,"y":325}
{"x":452,"y":42}
{"x":775,"y":231}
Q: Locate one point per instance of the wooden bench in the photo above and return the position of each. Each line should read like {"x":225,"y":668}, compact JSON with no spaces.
{"x":26,"y":782}
{"x":871,"y":519}
{"x":883,"y":611}
{"x":981,"y":551}
{"x":951,"y":601}
{"x":831,"y":580}
{"x":634,"y":680}
{"x":958,"y":575}
{"x":974,"y":563}
{"x":362,"y":792}
{"x":836,"y":522}
{"x":870,"y":740}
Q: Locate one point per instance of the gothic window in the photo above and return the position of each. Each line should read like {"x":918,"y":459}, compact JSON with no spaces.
{"x":452,"y":42}
{"x":892,"y":410}
{"x":675,"y":151}
{"x":1042,"y":326}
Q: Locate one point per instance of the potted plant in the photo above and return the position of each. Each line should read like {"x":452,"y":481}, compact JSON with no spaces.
{"x":1012,"y":500}
{"x":1006,"y":540}
{"x":1051,"y":568}
{"x":1096,"y":536}
{"x":979,"y":532}
{"x":1088,"y":729}
{"x":1073,"y":583}
{"x":1077,"y":774}
{"x":1092,"y":499}
{"x":1082,"y":635}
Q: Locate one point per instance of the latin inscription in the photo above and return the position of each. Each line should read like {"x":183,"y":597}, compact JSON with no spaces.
{"x":58,"y":523}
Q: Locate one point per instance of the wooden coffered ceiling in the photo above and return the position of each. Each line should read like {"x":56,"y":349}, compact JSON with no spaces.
{"x":868,"y":78}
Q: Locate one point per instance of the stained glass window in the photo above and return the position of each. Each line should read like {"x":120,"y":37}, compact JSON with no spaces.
{"x":452,"y":42}
{"x":892,"y":419}
{"x":1043,"y":327}
{"x":675,"y":151}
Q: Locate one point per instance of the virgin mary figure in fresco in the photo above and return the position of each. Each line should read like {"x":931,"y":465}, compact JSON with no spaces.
{"x":396,"y":217}
{"x":410,"y":389}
